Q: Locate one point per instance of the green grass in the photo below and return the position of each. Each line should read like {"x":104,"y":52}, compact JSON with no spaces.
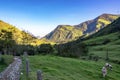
{"x":7,"y":59}
{"x":113,"y":51}
{"x":100,"y":49}
{"x":114,"y":38}
{"x":59,"y":68}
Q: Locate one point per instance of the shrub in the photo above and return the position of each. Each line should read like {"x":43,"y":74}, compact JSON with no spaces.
{"x":72,"y":49}
{"x":2,"y":61}
{"x":45,"y":49}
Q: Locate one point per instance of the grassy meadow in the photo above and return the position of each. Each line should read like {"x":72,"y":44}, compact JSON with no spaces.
{"x":59,"y":68}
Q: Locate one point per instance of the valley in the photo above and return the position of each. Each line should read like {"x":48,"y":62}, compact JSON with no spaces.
{"x":78,"y":59}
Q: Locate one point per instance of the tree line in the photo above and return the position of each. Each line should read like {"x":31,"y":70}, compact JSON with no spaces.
{"x":9,"y":46}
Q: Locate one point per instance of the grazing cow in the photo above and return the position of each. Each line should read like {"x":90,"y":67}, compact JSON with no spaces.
{"x":104,"y":71}
{"x":107,"y":65}
{"x":110,"y":67}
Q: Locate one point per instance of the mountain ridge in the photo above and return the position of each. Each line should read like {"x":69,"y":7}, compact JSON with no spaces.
{"x":61,"y":32}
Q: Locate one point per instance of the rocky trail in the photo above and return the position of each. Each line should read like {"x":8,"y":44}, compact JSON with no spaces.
{"x":12,"y":72}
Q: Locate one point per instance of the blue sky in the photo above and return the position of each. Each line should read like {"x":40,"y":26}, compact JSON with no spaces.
{"x":42,"y":16}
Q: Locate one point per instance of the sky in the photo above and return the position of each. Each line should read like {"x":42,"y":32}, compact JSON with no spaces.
{"x":40,"y":17}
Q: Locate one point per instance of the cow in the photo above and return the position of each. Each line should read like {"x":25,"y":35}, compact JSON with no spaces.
{"x":109,"y":66}
{"x":104,"y":71}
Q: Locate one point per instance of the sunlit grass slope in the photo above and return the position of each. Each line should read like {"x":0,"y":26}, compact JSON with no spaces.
{"x":59,"y":68}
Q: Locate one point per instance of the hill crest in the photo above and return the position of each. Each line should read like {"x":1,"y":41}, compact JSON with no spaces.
{"x":65,"y":33}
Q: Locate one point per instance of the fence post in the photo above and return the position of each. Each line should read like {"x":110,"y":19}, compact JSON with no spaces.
{"x":27,"y":67}
{"x":107,"y":56}
{"x":0,"y":55}
{"x":25,"y":54}
{"x":39,"y":75}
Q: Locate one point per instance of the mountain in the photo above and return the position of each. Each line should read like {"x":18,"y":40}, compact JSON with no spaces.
{"x":106,"y":40}
{"x":109,"y":33}
{"x":20,"y":36}
{"x":111,"y":28}
{"x":65,"y":33}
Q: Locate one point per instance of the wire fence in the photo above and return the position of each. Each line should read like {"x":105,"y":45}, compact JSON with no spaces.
{"x":28,"y":73}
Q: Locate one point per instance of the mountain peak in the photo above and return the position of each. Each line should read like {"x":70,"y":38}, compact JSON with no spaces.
{"x":106,"y":16}
{"x":64,"y":33}
{"x":62,"y":25}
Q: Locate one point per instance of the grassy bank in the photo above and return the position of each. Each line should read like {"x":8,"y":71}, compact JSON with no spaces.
{"x":5,"y":61}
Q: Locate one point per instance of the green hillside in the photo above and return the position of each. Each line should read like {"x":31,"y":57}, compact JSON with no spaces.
{"x":20,"y":36}
{"x":112,"y":38}
{"x":15,"y":41}
{"x":105,"y":41}
{"x":59,"y":68}
{"x":65,"y":33}
{"x":111,"y":28}
{"x":112,"y":46}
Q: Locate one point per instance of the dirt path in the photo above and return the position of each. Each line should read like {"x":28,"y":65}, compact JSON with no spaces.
{"x":12,"y":72}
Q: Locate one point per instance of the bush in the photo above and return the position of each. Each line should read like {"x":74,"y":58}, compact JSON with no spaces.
{"x":2,"y":61}
{"x":45,"y":49}
{"x":72,"y":49}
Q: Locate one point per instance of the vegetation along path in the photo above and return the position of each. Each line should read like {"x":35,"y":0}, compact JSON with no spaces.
{"x":12,"y":72}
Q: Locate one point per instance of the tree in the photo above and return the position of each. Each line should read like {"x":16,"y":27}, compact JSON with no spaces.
{"x":72,"y":49}
{"x":45,"y":48}
{"x":6,"y":41}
